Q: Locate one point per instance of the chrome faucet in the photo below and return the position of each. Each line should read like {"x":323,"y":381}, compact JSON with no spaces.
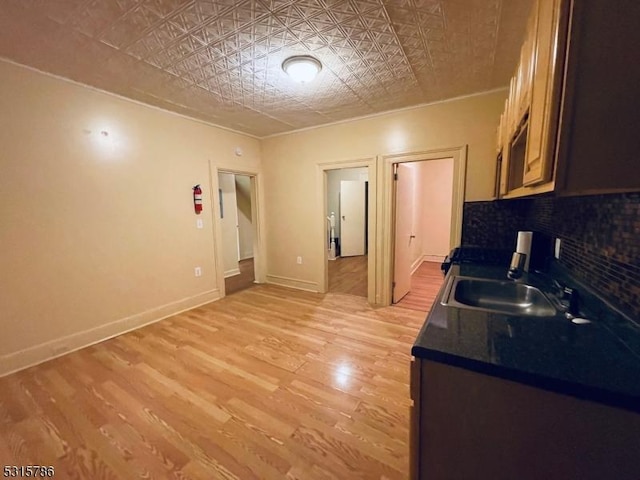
{"x":516,"y":268}
{"x":565,"y":298}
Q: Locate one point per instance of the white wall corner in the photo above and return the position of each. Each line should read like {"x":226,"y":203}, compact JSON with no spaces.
{"x":416,"y":264}
{"x":433,"y":258}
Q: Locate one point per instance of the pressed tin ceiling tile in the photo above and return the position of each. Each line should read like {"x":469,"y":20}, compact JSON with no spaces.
{"x":220,"y":60}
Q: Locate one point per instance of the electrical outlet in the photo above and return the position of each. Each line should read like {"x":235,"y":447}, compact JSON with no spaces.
{"x":199,"y":223}
{"x":299,"y":260}
{"x":556,"y":252}
{"x":198,"y":271}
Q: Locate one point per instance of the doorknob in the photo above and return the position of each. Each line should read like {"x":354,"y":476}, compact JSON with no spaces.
{"x":412,"y":236}
{"x":343,"y":217}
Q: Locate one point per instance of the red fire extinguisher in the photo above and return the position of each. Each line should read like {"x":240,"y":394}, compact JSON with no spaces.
{"x":197,"y":199}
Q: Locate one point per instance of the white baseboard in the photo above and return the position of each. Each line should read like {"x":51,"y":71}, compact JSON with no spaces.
{"x":416,"y":264}
{"x":231,"y":273}
{"x":433,"y":258}
{"x":31,"y":356}
{"x":293,"y":283}
{"x":246,"y":256}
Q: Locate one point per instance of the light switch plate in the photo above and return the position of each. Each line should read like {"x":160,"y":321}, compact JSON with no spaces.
{"x":199,"y":223}
{"x":198,"y":271}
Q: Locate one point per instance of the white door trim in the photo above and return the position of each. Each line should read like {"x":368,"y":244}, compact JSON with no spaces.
{"x":321,"y":247}
{"x":386,"y":215}
{"x":257,"y":218}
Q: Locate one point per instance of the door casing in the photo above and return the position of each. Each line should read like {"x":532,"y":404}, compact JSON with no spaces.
{"x":321,"y":246}
{"x":257,"y":219}
{"x":386,"y":209}
{"x":380,"y":215}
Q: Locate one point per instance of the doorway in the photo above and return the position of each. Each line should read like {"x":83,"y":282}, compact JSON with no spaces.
{"x":347,"y":206}
{"x":420,"y":255}
{"x":236,"y":196}
{"x":423,"y":210}
{"x":372,"y":242}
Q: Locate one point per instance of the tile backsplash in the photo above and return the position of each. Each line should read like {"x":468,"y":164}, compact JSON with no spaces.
{"x":600,"y":237}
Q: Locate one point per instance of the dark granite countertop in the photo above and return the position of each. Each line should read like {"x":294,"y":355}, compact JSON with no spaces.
{"x":598,"y":361}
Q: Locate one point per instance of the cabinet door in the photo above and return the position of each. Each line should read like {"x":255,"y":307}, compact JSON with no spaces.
{"x":543,"y":114}
{"x":512,"y":114}
{"x":599,"y":139}
{"x":505,"y":139}
{"x":499,"y":135}
{"x":478,"y":426}
{"x":415,"y":385}
{"x":527,"y":62}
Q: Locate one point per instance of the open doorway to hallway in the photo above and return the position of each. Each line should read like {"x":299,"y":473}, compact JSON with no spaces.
{"x":236,"y":195}
{"x":346,"y":198}
{"x":423,"y":212}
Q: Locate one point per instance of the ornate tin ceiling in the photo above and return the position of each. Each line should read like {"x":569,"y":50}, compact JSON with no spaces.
{"x":220,"y":60}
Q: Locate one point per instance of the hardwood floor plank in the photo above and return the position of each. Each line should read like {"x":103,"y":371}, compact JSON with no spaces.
{"x":425,"y":284}
{"x":340,"y":452}
{"x":243,"y":280}
{"x":266,"y":383}
{"x":203,"y":402}
{"x":348,"y":275}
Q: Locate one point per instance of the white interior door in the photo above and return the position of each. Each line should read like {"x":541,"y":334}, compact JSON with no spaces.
{"x":403,"y":235}
{"x":229,"y":223}
{"x":352,"y":218}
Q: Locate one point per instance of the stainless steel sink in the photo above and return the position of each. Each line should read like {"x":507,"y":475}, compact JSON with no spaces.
{"x":506,"y":297}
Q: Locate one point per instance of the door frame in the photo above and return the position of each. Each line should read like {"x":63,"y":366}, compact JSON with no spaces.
{"x":321,"y":247}
{"x":257,"y":219}
{"x":386,"y":221}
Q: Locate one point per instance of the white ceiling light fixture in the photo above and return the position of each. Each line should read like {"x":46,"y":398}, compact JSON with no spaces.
{"x":302,"y":68}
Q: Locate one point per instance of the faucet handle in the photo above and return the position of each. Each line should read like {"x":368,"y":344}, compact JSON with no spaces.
{"x":571,"y":300}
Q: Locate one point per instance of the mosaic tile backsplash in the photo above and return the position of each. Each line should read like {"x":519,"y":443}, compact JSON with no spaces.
{"x":600,"y":237}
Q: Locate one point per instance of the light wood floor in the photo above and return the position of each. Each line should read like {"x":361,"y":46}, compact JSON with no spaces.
{"x":425,"y":284}
{"x":348,"y":275}
{"x":243,"y":280}
{"x":267,"y":383}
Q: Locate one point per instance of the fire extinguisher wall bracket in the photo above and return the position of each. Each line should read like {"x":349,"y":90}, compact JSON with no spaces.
{"x":197,"y":199}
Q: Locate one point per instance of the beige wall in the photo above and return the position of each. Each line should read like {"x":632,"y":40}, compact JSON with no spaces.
{"x":293,"y":202}
{"x":98,"y":233}
{"x":434,"y":208}
{"x":411,"y":209}
{"x":431,"y":189}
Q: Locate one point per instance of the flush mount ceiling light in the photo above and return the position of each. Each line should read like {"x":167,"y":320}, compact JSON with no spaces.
{"x":302,"y":68}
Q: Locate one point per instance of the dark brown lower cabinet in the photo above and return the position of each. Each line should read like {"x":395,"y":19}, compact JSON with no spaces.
{"x":467,"y":425}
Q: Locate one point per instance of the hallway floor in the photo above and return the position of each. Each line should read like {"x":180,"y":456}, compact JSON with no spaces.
{"x":425,"y":284}
{"x":244,"y":279}
{"x":348,"y":275}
